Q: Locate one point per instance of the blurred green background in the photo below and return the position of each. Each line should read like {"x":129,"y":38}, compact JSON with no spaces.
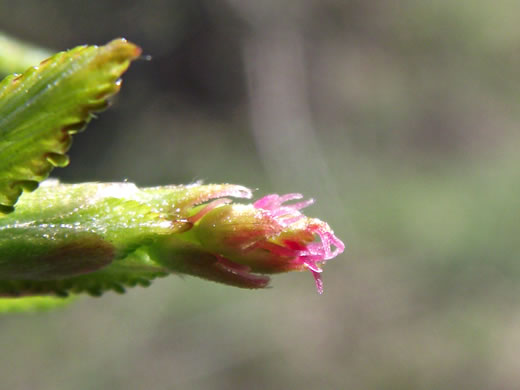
{"x":400,"y":118}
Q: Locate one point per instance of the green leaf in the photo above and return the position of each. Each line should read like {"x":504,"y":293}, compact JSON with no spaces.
{"x":30,"y":304}
{"x":43,"y":107}
{"x":134,"y":270}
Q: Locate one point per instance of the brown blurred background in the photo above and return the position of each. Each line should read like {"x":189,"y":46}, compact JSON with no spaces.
{"x":400,"y":118}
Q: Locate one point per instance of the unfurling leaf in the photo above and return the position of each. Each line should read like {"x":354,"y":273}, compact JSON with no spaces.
{"x":41,"y":109}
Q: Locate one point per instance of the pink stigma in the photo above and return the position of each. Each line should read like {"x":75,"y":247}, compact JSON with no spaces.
{"x":309,"y":255}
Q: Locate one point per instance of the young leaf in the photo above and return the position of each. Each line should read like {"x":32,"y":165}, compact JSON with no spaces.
{"x":41,"y":108}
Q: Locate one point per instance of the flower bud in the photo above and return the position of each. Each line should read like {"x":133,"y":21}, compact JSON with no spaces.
{"x":233,"y":243}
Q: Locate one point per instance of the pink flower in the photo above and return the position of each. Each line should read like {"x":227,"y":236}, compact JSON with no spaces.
{"x":248,"y":241}
{"x":309,"y":255}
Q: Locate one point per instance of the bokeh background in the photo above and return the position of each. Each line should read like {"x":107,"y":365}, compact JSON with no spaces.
{"x":400,"y":118}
